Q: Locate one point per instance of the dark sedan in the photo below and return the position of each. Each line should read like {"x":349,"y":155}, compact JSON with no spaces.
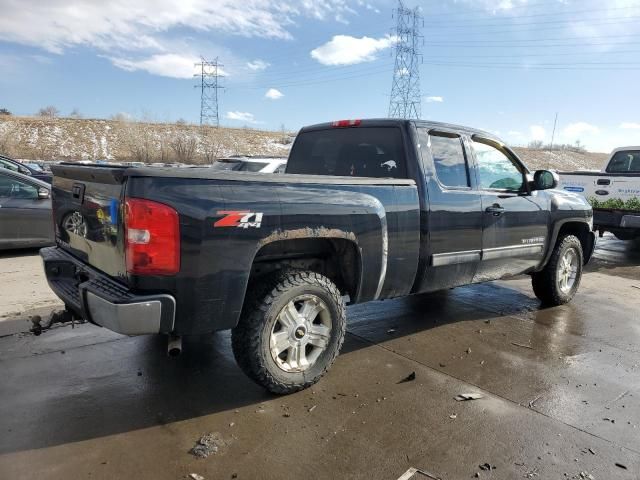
{"x":25,"y":211}
{"x":30,"y":169}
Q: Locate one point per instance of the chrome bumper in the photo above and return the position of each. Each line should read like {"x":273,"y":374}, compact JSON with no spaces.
{"x":99,"y":299}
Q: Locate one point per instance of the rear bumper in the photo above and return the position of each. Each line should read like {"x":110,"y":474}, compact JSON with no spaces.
{"x":99,"y":299}
{"x":615,"y":219}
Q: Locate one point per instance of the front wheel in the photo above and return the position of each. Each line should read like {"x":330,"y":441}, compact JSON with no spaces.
{"x":559,"y":281}
{"x":291,"y":330}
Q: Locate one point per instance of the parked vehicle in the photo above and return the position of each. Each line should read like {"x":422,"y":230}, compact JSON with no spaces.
{"x":367,"y":210}
{"x":614,"y":192}
{"x":251,"y":164}
{"x":29,"y":169}
{"x":25,"y":211}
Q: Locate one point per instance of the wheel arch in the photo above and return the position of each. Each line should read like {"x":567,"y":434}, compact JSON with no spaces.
{"x":580,"y":229}
{"x":337,"y":258}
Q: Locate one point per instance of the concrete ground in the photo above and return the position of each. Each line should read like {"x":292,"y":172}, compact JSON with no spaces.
{"x":24,"y":291}
{"x":560,"y":394}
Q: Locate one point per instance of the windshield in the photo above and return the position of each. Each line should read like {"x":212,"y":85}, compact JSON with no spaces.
{"x":626,"y":161}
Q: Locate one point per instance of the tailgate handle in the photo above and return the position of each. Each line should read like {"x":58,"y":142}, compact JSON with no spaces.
{"x":78,"y":191}
{"x":604,"y":181}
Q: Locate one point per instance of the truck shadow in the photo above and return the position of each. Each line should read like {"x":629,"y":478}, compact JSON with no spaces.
{"x":616,"y":257}
{"x":111,"y":385}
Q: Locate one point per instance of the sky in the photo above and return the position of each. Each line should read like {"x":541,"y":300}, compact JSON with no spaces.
{"x":506,"y":66}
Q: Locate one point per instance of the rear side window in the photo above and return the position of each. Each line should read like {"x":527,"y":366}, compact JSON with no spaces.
{"x":354,"y":152}
{"x":627,"y":161}
{"x":449,"y":160}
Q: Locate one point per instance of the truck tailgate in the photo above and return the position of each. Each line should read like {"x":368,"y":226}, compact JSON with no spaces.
{"x":87,"y":208}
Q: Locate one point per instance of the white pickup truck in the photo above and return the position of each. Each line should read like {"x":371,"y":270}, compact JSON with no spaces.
{"x":614,"y":192}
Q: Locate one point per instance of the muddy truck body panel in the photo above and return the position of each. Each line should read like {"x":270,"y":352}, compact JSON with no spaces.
{"x":229,"y":220}
{"x":382,"y":208}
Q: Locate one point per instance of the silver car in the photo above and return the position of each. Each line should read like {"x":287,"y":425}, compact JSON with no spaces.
{"x":25,"y":211}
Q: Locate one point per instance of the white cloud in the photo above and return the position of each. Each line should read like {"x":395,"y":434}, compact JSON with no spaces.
{"x":434,"y":99}
{"x":495,"y":6}
{"x":166,"y":65}
{"x":575,"y":130}
{"x":120,"y":25}
{"x":630,"y":126}
{"x":274,"y":94}
{"x":515,"y":133}
{"x":537,"y":132}
{"x":257,"y":65}
{"x":348,"y":50}
{"x":241,"y":117}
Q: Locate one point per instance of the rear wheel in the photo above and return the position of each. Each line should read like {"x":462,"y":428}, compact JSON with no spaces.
{"x":291,"y":331}
{"x":560,"y":279}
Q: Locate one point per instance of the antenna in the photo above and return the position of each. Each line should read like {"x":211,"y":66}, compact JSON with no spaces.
{"x":209,"y":86}
{"x":553,"y":135}
{"x":406,"y":101}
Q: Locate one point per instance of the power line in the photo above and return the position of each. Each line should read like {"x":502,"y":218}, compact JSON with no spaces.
{"x":405,"y":101}
{"x":527,"y":5}
{"x":552,"y":39}
{"x":514,"y":66}
{"x":592,"y":21}
{"x":209,"y":86}
{"x":316,"y":80}
{"x":533,"y":45}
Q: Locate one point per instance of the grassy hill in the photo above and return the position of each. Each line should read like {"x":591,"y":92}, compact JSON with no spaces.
{"x":87,"y":139}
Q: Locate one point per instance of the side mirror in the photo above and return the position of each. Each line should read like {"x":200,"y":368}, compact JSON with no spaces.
{"x":43,"y":194}
{"x":545,"y":179}
{"x":25,"y":171}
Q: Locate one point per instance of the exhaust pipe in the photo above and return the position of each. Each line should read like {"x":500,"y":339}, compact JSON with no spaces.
{"x":174,"y":346}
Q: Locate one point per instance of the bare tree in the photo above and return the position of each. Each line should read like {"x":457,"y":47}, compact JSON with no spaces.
{"x":75,"y":113}
{"x":184,"y":146}
{"x":121,"y":117}
{"x":211,"y":140}
{"x":8,"y":139}
{"x":139,"y":143}
{"x":4,"y":111}
{"x":49,"y":112}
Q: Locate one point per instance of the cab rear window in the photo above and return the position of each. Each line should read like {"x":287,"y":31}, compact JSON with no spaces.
{"x":354,"y":152}
{"x":627,"y":161}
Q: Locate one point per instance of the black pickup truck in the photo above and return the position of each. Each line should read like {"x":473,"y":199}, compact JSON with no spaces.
{"x":367,"y":210}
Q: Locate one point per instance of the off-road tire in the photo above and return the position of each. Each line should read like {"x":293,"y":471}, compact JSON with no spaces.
{"x":265,"y":299}
{"x":545,"y":283}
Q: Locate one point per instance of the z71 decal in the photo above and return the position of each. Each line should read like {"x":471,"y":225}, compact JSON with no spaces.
{"x":240,"y":219}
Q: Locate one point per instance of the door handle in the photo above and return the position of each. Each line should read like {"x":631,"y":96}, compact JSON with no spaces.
{"x":495,"y":209}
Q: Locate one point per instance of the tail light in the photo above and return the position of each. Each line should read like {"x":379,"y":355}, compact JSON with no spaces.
{"x":152,"y":238}
{"x":346,"y":123}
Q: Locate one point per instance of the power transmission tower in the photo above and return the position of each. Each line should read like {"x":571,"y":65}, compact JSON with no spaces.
{"x":406,"y":101}
{"x":209,"y":86}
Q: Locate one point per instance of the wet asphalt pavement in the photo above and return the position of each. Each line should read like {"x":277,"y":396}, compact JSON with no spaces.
{"x":560,"y":387}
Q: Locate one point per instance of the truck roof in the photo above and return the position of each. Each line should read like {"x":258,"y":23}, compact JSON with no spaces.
{"x":389,"y":122}
{"x":622,"y":149}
